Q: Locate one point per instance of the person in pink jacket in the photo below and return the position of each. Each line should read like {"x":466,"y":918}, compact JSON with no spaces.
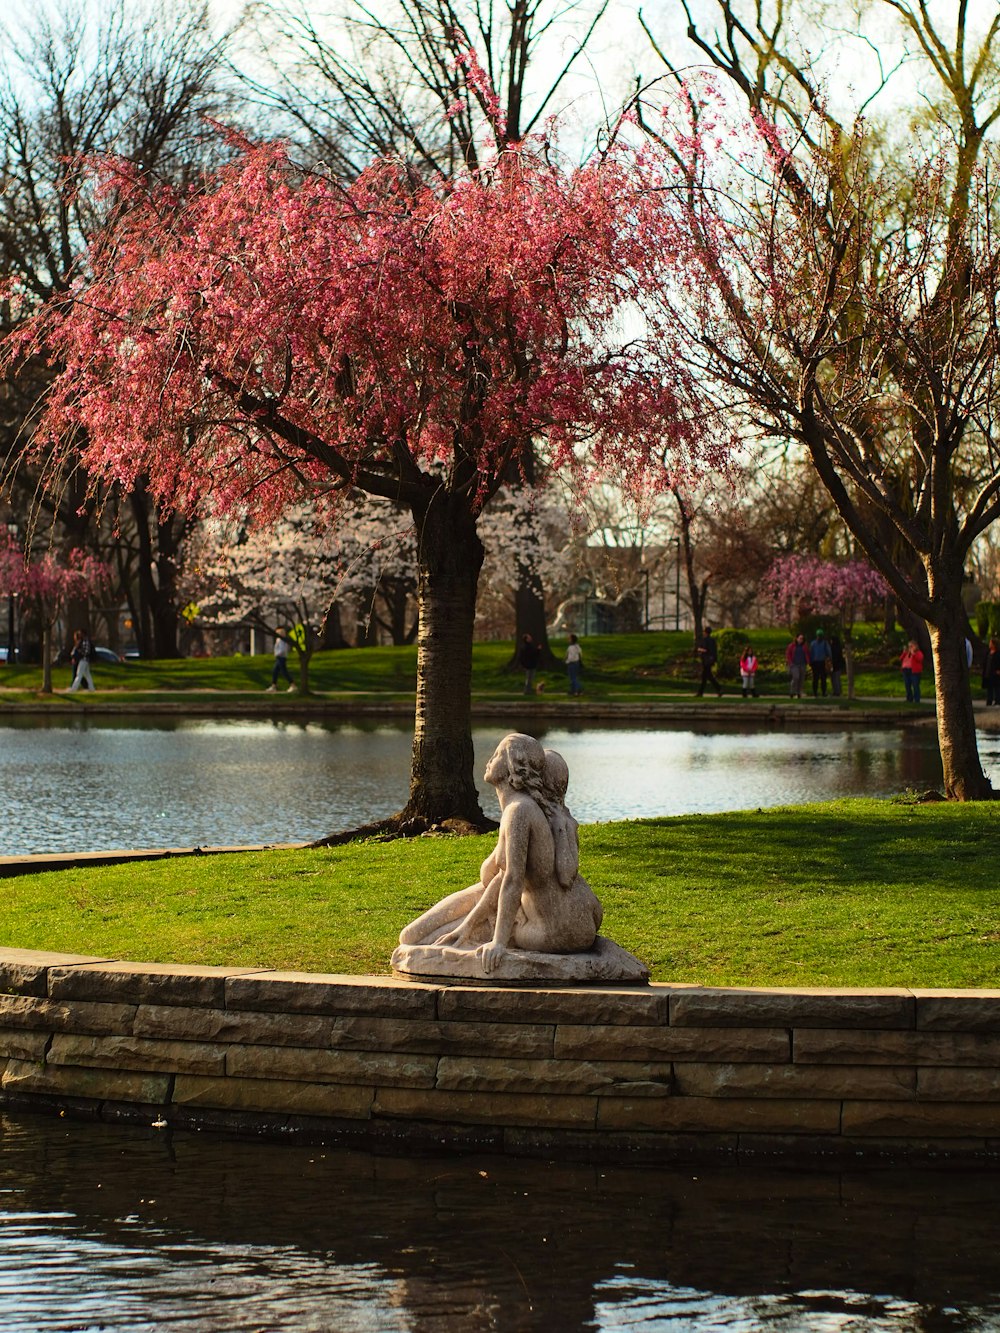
{"x":748,"y":671}
{"x":911,"y":662}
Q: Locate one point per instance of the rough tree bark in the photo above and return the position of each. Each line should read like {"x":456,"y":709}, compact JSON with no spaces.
{"x":964,"y":779}
{"x":450,"y":558}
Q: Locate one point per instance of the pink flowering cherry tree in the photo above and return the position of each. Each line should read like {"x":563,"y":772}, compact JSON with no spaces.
{"x":45,"y":585}
{"x":278,"y":335}
{"x":805,"y":584}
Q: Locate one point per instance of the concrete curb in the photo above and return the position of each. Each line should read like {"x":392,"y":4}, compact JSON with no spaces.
{"x":11,"y":866}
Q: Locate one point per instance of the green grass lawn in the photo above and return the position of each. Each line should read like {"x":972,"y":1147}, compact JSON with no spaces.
{"x":848,"y":893}
{"x":617,"y":668}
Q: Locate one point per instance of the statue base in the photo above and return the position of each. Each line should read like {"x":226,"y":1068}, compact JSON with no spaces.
{"x":606,"y":964}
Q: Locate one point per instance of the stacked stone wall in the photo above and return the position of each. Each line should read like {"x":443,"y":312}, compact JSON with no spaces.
{"x":665,"y":1072}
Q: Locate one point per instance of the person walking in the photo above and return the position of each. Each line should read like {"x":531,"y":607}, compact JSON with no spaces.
{"x":796,"y":659}
{"x":748,"y":671}
{"x":708,"y":655}
{"x":991,"y":674}
{"x":529,"y":657}
{"x":819,"y":656}
{"x":81,"y":655}
{"x":911,"y":662}
{"x":282,"y":646}
{"x":838,"y":664}
{"x":574,"y":665}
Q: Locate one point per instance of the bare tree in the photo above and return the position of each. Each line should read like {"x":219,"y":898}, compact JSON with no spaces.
{"x":848,"y":295}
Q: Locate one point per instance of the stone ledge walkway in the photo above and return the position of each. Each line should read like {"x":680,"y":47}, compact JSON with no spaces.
{"x":11,"y":866}
{"x":766,"y":711}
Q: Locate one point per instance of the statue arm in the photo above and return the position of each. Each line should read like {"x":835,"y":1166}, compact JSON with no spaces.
{"x":481,"y":913}
{"x":515,"y":833}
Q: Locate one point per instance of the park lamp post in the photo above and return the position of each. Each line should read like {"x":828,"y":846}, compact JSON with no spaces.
{"x":12,"y":532}
{"x":644,"y":575}
{"x":677,"y":585}
{"x":585,"y":588}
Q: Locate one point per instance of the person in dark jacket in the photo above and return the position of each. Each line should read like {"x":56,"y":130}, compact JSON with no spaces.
{"x":796,"y":659}
{"x":708,"y":654}
{"x":991,"y":674}
{"x":529,"y":658}
{"x":819,"y":659}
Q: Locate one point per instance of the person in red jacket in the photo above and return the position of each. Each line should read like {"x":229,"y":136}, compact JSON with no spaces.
{"x":911,"y":662}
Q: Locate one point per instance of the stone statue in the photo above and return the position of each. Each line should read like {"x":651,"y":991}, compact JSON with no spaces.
{"x":531,"y":908}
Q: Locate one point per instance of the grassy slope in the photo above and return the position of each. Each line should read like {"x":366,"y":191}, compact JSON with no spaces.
{"x":617,"y":667}
{"x":850,"y":893}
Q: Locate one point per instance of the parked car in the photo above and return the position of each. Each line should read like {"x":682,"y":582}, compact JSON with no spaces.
{"x":101,"y":654}
{"x":4,"y":652}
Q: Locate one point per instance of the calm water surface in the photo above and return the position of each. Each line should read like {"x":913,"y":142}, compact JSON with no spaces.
{"x":113,"y":1228}
{"x":92,"y":785}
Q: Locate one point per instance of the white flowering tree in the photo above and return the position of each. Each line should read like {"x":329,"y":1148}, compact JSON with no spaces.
{"x":526,"y":535}
{"x":289,"y":576}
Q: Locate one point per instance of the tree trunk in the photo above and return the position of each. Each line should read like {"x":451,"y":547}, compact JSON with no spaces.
{"x":698,"y":596}
{"x":305,"y":657}
{"x":849,"y":666}
{"x":332,"y":632}
{"x":46,"y":658}
{"x":156,"y":624}
{"x":449,"y":560}
{"x":964,"y":779}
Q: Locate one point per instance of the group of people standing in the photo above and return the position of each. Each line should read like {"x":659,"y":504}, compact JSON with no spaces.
{"x":823,"y":659}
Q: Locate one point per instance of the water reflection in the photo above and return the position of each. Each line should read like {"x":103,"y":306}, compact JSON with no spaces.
{"x":114,"y":1228}
{"x":99,"y":784}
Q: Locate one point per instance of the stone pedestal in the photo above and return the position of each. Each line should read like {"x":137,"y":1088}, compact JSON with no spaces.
{"x":605,"y":964}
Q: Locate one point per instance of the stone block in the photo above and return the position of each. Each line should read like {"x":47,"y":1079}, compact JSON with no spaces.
{"x":530,"y":1040}
{"x":820,"y":1007}
{"x":586,"y":1077}
{"x":309,"y":1065}
{"x":576,"y":1041}
{"x":959,"y":1085}
{"x":28,"y":1011}
{"x":783,"y":1115}
{"x":185,"y":1022}
{"x":18,"y":1045}
{"x":485,"y":1108}
{"x":958,"y":1010}
{"x":835,"y":1046}
{"x":172,"y":1057}
{"x":921,"y":1119}
{"x":607,"y":1005}
{"x":741,"y":1080}
{"x":330,"y":994}
{"x":142,"y":983}
{"x":276,"y":1095}
{"x":22,"y":1076}
{"x":25,"y":971}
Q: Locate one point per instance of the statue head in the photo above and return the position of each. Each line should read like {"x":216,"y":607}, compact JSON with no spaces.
{"x":555,"y":776}
{"x":518,"y":760}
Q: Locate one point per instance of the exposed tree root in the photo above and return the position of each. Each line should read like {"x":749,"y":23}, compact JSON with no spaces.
{"x":403,"y":825}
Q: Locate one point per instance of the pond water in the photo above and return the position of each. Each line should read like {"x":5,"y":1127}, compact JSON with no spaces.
{"x":118,"y":1228}
{"x":100,"y":785}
